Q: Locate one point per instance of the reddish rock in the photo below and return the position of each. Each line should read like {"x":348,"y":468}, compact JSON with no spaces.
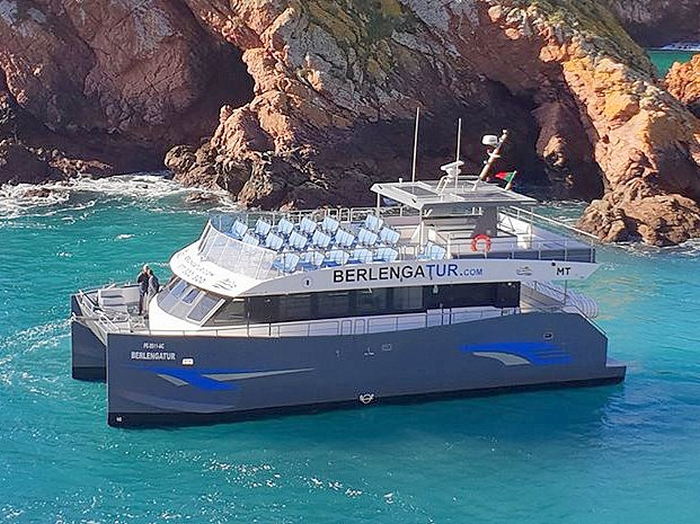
{"x":115,"y":83}
{"x":341,"y":85}
{"x":683,"y":82}
{"x":326,"y":105}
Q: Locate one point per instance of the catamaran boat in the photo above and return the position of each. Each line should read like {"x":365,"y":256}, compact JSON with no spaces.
{"x":445,"y":287}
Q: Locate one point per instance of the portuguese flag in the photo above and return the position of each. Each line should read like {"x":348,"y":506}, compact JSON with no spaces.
{"x":508,"y":176}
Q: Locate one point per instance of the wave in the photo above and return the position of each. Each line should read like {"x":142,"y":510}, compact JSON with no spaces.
{"x":79,"y":193}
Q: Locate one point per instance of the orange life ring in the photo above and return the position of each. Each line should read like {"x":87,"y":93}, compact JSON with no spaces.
{"x":481,"y":238}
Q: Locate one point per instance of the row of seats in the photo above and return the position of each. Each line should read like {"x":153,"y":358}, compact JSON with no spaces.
{"x":323,"y":235}
{"x":290,"y":262}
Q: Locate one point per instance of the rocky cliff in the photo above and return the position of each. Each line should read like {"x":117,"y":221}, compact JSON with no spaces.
{"x":683,"y":82}
{"x":334,"y":88}
{"x":660,"y":22}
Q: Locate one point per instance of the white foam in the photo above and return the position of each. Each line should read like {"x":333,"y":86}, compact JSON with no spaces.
{"x":71,"y":194}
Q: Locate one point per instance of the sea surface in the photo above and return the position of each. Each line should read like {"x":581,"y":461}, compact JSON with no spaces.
{"x":628,"y":453}
{"x":663,"y":60}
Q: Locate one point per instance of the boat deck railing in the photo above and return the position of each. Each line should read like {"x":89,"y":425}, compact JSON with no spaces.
{"x":520,"y":236}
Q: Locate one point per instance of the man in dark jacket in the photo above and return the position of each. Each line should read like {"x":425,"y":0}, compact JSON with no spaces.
{"x":153,"y":287}
{"x":142,"y":281}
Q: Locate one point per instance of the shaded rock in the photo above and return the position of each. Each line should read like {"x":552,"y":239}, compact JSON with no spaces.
{"x":660,"y":22}
{"x":115,"y":83}
{"x":18,"y":164}
{"x":201,"y":197}
{"x":683,"y":82}
{"x":37,"y":192}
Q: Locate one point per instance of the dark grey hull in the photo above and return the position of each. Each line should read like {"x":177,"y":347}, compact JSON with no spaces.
{"x":236,"y":378}
{"x":88,"y":355}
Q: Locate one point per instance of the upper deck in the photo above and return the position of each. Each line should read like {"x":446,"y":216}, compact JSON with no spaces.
{"x":426,"y":222}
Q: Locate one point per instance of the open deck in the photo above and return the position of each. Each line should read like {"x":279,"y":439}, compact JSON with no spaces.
{"x":264,"y":245}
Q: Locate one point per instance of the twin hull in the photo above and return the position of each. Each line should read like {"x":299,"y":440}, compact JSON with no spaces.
{"x":185,"y":379}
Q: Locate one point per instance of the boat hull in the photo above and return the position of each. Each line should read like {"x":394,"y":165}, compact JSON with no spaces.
{"x":157,"y":380}
{"x":88,"y":353}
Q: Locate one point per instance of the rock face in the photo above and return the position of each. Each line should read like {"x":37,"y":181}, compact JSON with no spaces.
{"x":683,"y":82}
{"x":333,"y":85}
{"x":335,"y":89}
{"x":116,"y":81}
{"x":660,"y":22}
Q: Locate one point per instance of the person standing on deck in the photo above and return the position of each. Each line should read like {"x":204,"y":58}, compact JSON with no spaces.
{"x":153,"y":287}
{"x":142,"y":281}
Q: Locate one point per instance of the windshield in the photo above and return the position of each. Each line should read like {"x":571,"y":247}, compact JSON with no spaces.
{"x":188,"y":302}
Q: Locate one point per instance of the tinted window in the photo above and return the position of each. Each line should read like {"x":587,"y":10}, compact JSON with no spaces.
{"x":263,"y":309}
{"x":203,"y":307}
{"x":169,"y":299}
{"x":295,"y":307}
{"x":334,"y":304}
{"x":408,"y":298}
{"x":190,"y":295}
{"x":232,"y":312}
{"x":371,"y":301}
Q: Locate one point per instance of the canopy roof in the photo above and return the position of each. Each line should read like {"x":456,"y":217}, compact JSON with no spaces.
{"x":444,"y":197}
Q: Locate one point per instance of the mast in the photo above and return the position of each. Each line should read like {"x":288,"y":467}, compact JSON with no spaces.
{"x":493,"y":156}
{"x":415,"y":146}
{"x":459,"y":143}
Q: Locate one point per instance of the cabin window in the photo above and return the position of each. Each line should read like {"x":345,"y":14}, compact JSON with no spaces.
{"x":408,"y":298}
{"x":508,"y":294}
{"x":169,"y":299}
{"x":295,"y":307}
{"x":191,"y":295}
{"x":371,"y":301}
{"x":334,"y":304}
{"x":203,"y":307}
{"x":231,"y":313}
{"x":263,"y":309}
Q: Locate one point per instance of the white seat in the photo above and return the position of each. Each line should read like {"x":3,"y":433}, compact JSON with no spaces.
{"x":373,"y":223}
{"x":337,"y":257}
{"x":274,"y":242}
{"x":386,"y":254}
{"x":313,"y":259}
{"x":285,"y":227}
{"x":344,"y":238}
{"x":297,"y":240}
{"x":262,"y":228}
{"x":307,"y":226}
{"x":286,"y":262}
{"x":433,"y":252}
{"x":320,"y":239}
{"x":238,"y":229}
{"x":367,"y":237}
{"x":389,"y":236}
{"x":361,"y":256}
{"x":330,"y":225}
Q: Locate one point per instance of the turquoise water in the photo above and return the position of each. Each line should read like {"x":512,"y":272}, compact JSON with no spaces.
{"x":627,"y":453}
{"x":663,"y":60}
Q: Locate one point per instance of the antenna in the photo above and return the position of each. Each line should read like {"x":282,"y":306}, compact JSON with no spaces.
{"x":459,"y":143}
{"x":415,"y":146}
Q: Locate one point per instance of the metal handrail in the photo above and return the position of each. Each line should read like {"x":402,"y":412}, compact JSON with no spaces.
{"x":320,"y":327}
{"x":518,"y":212}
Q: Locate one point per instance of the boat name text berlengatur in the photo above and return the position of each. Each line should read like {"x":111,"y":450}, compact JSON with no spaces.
{"x":401,"y":273}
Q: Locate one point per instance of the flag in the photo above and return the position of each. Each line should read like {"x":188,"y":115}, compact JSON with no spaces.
{"x":508,"y":176}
